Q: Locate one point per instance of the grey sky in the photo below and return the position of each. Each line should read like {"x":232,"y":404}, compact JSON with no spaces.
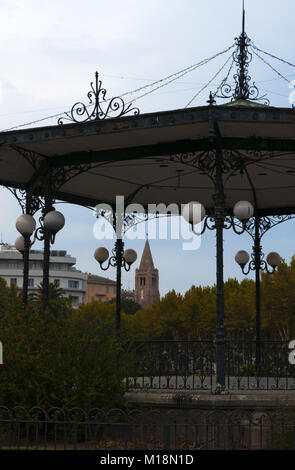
{"x":50,"y":50}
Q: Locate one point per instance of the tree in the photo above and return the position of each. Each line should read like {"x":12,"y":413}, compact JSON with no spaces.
{"x":278,"y":301}
{"x":61,"y":360}
{"x":58,"y":303}
{"x":128,"y":304}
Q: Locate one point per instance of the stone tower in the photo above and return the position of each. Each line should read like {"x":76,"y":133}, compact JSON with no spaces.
{"x":146,"y":279}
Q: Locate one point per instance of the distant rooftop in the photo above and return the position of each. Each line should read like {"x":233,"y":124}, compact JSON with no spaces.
{"x":93,"y":279}
{"x":60,"y":253}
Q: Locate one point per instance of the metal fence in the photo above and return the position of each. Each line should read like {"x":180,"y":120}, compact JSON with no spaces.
{"x":192,"y":365}
{"x":76,"y":429}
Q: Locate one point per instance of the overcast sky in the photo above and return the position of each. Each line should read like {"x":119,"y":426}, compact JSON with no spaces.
{"x":50,"y":51}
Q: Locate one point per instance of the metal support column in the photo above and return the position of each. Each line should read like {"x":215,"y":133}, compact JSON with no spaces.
{"x":46,"y":254}
{"x":257,"y":259}
{"x":219,"y":201}
{"x":26,"y":256}
{"x":119,"y":246}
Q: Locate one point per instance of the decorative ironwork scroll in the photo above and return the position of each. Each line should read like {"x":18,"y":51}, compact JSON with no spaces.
{"x":232,"y":160}
{"x":265,"y":224}
{"x":99,"y":107}
{"x":29,"y":205}
{"x":243,"y":89}
{"x":128,"y":220}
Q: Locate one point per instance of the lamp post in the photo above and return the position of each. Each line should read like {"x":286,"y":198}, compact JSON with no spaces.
{"x":257,"y":227}
{"x":257,"y":264}
{"x":121,"y":222}
{"x":50,"y":223}
{"x":119,"y":259}
{"x":195,"y":213}
{"x":25,"y":225}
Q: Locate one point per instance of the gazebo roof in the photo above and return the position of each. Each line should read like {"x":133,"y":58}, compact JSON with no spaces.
{"x":151,"y":158}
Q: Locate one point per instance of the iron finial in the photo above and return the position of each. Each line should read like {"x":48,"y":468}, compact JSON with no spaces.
{"x":99,"y":107}
{"x":211,"y":100}
{"x":243,"y":89}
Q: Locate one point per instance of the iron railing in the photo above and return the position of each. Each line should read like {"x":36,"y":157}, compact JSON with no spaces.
{"x":76,"y":429}
{"x":192,"y":365}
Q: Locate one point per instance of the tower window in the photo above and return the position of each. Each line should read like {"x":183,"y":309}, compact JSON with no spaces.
{"x":142,"y":281}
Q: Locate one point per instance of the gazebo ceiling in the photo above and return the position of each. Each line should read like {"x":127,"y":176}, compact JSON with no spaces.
{"x":151,"y":158}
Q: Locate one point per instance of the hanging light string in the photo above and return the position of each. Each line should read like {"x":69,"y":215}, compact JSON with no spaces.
{"x":161,"y":83}
{"x":176,"y":78}
{"x":224,"y":80}
{"x":210,"y":81}
{"x":158,"y":84}
{"x":272,"y":55}
{"x":270,"y":66}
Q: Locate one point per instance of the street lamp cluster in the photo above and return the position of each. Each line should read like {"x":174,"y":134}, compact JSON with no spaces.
{"x":119,"y":259}
{"x":194,"y":212}
{"x":102,"y":254}
{"x":50,"y":223}
{"x":53,"y":222}
{"x":273,"y":259}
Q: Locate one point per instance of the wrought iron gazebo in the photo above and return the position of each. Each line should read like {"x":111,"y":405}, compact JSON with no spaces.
{"x":216,"y":154}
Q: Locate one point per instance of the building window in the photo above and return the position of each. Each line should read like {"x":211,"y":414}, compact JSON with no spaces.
{"x":99,"y":298}
{"x":92,"y":297}
{"x":114,"y":289}
{"x":13,"y":280}
{"x":57,"y":282}
{"x":73,"y":284}
{"x":93,"y":287}
{"x":142,"y":281}
{"x":12,"y":265}
{"x":31,"y":283}
{"x":107,"y":299}
{"x":100,"y":289}
{"x":36,"y":266}
{"x":107,"y":289}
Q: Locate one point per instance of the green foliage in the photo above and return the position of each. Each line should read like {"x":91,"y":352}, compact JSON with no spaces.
{"x":73,"y":359}
{"x":10,"y":297}
{"x":193,"y":315}
{"x":128,"y":306}
{"x":58,"y":304}
{"x":278,"y":301}
{"x":70,"y":357}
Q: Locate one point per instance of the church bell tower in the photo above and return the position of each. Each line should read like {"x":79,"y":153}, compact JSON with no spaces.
{"x":146,"y":279}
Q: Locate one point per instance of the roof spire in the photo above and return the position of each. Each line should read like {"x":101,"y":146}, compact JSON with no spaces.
{"x":244,"y":88}
{"x":243,"y":23}
{"x":146,"y":259}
